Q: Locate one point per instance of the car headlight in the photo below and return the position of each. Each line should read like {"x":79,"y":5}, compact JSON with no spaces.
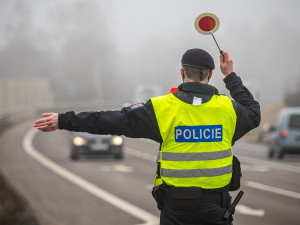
{"x":117,"y":140}
{"x":79,"y":141}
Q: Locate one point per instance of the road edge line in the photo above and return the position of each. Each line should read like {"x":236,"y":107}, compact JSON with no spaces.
{"x":119,"y":203}
{"x":275,"y":165}
{"x":272,"y":189}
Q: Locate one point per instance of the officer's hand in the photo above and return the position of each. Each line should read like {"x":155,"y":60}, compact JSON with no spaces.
{"x":49,"y":123}
{"x":226,"y":65}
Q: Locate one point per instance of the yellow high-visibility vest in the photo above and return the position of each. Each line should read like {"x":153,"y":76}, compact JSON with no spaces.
{"x":196,"y":150}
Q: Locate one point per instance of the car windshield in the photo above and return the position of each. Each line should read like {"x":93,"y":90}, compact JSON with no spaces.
{"x":295,"y":122}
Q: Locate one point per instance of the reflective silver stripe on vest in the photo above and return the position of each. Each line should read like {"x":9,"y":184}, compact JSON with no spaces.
{"x":196,"y":156}
{"x":196,"y":172}
{"x":158,"y":156}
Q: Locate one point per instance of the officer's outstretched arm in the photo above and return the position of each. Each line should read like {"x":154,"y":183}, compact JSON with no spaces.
{"x":226,"y":65}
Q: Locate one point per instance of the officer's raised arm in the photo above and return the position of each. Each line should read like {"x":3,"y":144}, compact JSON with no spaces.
{"x":226,"y":65}
{"x":246,"y":107}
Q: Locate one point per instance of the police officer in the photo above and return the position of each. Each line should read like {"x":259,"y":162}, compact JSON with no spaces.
{"x":196,"y":128}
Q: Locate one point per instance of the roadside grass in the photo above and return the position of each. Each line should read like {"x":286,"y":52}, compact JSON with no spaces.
{"x":13,"y":210}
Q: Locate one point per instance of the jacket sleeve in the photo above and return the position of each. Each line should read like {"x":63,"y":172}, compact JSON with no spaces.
{"x":246,"y":108}
{"x":136,"y":121}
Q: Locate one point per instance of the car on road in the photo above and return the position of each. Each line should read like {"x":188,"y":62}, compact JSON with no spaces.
{"x":285,"y":135}
{"x":85,"y":144}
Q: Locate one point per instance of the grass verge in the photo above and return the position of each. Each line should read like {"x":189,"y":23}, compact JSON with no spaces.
{"x":13,"y":209}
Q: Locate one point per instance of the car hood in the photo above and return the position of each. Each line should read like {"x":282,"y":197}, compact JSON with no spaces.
{"x":88,"y":135}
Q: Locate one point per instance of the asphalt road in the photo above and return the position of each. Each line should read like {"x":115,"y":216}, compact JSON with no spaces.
{"x":107,"y":191}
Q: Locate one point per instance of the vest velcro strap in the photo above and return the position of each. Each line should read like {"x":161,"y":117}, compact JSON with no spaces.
{"x":196,"y":172}
{"x":196,"y":156}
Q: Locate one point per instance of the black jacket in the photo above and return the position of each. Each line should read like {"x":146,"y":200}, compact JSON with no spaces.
{"x":139,"y":121}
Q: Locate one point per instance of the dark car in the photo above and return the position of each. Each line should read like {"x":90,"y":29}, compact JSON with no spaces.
{"x":85,"y":144}
{"x":285,"y":135}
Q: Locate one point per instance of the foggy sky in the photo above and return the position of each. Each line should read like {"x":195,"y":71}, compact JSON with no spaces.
{"x":104,"y":48}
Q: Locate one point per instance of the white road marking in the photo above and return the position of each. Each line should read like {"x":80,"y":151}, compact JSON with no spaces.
{"x":119,"y":203}
{"x":247,"y":146}
{"x":272,"y":189}
{"x":139,"y":154}
{"x":240,"y":209}
{"x":119,"y":168}
{"x":266,"y":165}
{"x":148,"y":186}
{"x":245,"y":210}
{"x":122,"y":168}
{"x":105,"y":168}
{"x":279,"y":166}
{"x":260,"y":149}
{"x":257,"y":168}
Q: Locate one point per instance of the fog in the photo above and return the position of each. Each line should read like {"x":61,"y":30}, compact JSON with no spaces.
{"x":100,"y":50}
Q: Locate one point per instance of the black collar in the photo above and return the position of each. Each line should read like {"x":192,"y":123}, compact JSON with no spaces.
{"x":197,"y":87}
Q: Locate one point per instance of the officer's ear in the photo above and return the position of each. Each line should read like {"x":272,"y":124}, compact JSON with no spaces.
{"x":210,"y":74}
{"x":182,"y":73}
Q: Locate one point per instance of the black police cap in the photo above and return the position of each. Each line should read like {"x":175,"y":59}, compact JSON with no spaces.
{"x":197,"y":58}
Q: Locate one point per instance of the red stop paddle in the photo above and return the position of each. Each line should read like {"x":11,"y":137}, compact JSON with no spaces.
{"x":208,"y":23}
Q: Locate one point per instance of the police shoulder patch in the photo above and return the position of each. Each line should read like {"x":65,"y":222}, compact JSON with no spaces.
{"x":138,"y":105}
